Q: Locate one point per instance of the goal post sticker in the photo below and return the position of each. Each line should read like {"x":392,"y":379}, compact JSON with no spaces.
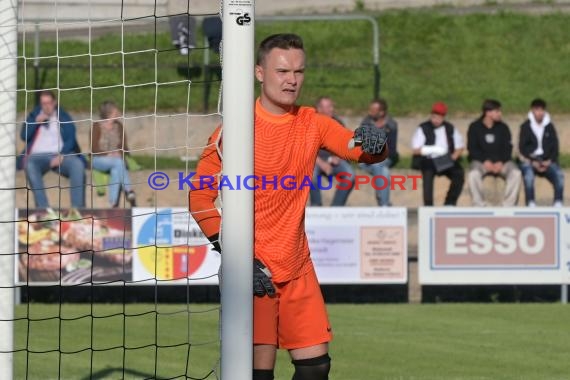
{"x":241,"y":11}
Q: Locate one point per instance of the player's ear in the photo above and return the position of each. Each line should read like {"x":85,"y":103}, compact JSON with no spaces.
{"x":259,"y":73}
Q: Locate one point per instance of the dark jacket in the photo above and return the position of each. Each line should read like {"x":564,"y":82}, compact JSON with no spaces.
{"x":528,"y":142}
{"x":428,"y":129}
{"x":30,"y":130}
{"x":391,"y":127}
{"x":493,"y":144}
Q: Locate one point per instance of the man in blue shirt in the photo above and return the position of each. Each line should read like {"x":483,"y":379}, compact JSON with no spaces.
{"x":51,"y":144}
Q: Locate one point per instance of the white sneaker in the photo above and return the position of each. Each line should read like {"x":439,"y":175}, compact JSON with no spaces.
{"x":558,"y":204}
{"x":531,"y":204}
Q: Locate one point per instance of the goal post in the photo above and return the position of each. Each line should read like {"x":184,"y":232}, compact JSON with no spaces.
{"x":8,"y":81}
{"x":237,"y":227}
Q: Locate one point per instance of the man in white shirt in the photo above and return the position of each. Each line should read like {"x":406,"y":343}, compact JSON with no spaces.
{"x":437,"y":147}
{"x":51,"y":144}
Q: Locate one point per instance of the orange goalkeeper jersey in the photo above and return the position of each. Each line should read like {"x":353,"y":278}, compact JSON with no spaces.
{"x":285,"y":146}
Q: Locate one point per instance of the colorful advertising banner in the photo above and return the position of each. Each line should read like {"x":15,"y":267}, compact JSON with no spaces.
{"x":171,"y":248}
{"x":73,"y":247}
{"x":348,"y":246}
{"x":494,"y":246}
{"x":147,"y":246}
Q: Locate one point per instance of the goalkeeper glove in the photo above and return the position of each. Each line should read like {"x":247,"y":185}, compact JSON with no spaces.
{"x":371,"y":138}
{"x":262,"y":284}
{"x":215,"y":240}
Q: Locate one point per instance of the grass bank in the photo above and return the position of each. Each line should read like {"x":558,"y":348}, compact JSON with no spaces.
{"x":425,"y":56}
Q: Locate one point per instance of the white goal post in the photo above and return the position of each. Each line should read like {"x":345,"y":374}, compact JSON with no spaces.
{"x":237,"y":228}
{"x":8,"y":83}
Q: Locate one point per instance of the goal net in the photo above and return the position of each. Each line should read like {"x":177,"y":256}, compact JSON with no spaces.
{"x":103,"y":272}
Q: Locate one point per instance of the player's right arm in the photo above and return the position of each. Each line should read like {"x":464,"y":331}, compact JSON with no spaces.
{"x":201,"y":200}
{"x":202,"y":196}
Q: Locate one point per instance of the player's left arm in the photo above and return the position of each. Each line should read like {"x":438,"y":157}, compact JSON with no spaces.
{"x":335,"y":138}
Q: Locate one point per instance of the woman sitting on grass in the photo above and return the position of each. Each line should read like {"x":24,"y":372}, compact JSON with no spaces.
{"x":109,"y":147}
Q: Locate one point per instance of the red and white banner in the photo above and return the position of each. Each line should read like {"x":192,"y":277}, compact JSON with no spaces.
{"x":494,"y":246}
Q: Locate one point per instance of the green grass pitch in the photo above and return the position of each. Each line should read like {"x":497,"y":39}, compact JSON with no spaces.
{"x":436,"y":341}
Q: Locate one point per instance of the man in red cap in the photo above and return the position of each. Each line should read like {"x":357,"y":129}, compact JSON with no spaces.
{"x":437,"y":147}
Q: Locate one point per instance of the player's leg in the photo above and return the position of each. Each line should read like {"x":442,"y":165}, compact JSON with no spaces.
{"x":304,"y":328}
{"x":263,"y":361}
{"x":311,"y":363}
{"x":265,"y":317}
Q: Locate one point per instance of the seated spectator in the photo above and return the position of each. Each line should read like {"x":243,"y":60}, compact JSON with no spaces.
{"x":330,"y":165}
{"x":51,"y":144}
{"x":109,"y":147}
{"x":490,"y":150}
{"x":437,"y":148}
{"x":378,"y":117}
{"x":539,"y":148}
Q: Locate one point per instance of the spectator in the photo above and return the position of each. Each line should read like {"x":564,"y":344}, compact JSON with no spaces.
{"x":51,"y":144}
{"x":490,"y":149}
{"x":378,"y":117}
{"x":329,"y":164}
{"x":539,"y":148}
{"x":437,"y":146}
{"x":109,"y":147}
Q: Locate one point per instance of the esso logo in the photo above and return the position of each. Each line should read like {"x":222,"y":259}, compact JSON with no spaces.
{"x":503,"y":240}
{"x":527,"y":241}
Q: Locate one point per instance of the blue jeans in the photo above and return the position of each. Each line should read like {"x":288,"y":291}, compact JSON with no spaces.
{"x":380,"y":169}
{"x":119,"y":175}
{"x":341,"y":195}
{"x":72,"y":167}
{"x":553,"y":174}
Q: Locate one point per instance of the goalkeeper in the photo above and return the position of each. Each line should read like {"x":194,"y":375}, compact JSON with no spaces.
{"x":289,"y":311}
